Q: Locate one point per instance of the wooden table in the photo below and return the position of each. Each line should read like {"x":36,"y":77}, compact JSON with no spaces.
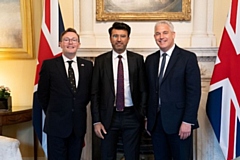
{"x":14,"y":117}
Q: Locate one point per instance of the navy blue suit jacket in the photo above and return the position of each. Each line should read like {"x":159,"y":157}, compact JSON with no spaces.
{"x":180,"y":90}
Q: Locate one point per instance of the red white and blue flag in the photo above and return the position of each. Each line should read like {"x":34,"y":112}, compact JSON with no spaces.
{"x":52,"y":27}
{"x":223,"y":108}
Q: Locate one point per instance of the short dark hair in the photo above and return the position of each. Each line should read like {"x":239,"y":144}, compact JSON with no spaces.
{"x":69,"y":30}
{"x":120,"y":26}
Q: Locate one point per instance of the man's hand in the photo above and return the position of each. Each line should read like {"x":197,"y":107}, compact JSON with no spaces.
{"x":185,"y":130}
{"x":99,"y":130}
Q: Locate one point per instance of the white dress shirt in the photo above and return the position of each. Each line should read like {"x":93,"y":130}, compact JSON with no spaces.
{"x":127,"y":91}
{"x":169,"y":53}
{"x":74,"y":66}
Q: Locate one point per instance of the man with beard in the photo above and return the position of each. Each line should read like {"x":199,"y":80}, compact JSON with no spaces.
{"x":118,"y":96}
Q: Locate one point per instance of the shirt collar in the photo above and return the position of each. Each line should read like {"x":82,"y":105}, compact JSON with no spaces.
{"x":115,"y":54}
{"x":169,"y":52}
{"x":65,"y":59}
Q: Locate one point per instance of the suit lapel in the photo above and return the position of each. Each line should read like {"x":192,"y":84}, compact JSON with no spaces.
{"x":80,"y":71}
{"x":131,"y":66}
{"x":154,"y":67}
{"x":156,"y":64}
{"x":62,"y":70}
{"x":171,"y":62}
{"x":109,"y":70}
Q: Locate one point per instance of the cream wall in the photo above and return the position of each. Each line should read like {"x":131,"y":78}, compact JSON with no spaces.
{"x":221,"y":8}
{"x":67,"y":12}
{"x":19,"y":74}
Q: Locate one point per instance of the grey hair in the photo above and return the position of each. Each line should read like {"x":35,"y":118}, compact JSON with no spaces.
{"x":165,"y":22}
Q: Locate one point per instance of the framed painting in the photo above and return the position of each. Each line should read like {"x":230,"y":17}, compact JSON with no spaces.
{"x":16,"y":35}
{"x":143,"y":10}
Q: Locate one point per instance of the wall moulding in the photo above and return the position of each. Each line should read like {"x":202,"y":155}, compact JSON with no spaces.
{"x":199,"y":51}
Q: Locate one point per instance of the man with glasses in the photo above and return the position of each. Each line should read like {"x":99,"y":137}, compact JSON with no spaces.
{"x":64,"y":92}
{"x":118,"y":96}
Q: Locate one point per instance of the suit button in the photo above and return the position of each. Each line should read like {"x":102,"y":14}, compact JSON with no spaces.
{"x":72,"y":110}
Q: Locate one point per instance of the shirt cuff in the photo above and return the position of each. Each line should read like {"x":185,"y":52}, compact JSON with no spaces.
{"x":188,"y":123}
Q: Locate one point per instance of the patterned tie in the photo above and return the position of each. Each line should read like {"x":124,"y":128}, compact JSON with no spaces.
{"x":71,"y":76}
{"x":161,"y":76}
{"x":120,"y":86}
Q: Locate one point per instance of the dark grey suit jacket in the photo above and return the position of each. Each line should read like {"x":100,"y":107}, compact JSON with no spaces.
{"x":103,"y":94}
{"x":65,"y":111}
{"x":180,"y":90}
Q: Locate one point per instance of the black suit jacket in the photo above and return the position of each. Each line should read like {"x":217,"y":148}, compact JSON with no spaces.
{"x":103,"y":94}
{"x":180,"y":90}
{"x":65,"y":111}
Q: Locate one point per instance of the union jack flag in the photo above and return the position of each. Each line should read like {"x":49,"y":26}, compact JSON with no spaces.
{"x":52,"y":27}
{"x":224,"y":96}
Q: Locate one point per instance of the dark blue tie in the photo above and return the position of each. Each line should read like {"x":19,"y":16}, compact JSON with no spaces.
{"x":120,"y":86}
{"x":71,"y":76}
{"x":161,"y":76}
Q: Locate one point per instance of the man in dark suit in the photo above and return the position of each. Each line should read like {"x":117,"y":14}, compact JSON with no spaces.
{"x":109,"y":121}
{"x":64,"y":92}
{"x":174,"y":87}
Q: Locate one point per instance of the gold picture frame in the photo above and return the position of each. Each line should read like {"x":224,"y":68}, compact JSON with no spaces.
{"x":151,"y":10}
{"x":16,"y":40}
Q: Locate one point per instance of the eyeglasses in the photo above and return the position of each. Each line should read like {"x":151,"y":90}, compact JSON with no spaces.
{"x":117,"y":36}
{"x":68,"y":40}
